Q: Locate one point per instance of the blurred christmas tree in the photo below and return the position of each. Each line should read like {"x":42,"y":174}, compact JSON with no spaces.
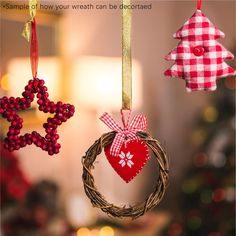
{"x":207,"y":200}
{"x":13,"y":183}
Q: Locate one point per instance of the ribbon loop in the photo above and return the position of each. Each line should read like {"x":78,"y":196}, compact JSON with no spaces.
{"x":199,"y":3}
{"x":110,"y":122}
{"x":138,"y":123}
{"x":34,"y":50}
{"x":30,"y":34}
{"x":126,"y":55}
{"x":26,"y":33}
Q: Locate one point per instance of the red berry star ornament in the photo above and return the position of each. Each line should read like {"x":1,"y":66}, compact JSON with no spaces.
{"x":10,"y":106}
{"x":199,"y":57}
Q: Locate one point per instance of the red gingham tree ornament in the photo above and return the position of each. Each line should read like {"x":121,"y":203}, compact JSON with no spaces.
{"x":199,"y":58}
{"x":10,"y":105}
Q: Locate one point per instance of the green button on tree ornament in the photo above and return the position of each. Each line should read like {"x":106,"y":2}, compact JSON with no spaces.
{"x":127,"y":149}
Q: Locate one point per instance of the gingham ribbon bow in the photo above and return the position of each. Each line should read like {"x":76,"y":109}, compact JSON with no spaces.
{"x":138,"y":123}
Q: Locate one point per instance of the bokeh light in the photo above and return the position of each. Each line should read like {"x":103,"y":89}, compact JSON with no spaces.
{"x":199,"y":136}
{"x":218,"y":159}
{"x":175,"y":229}
{"x":106,"y":231}
{"x":230,"y":83}
{"x":189,"y":186}
{"x":83,"y":232}
{"x":200,"y":159}
{"x":206,"y":196}
{"x":219,"y":195}
{"x":210,"y":114}
{"x":230,"y":194}
{"x":4,"y":83}
{"x":194,"y":222}
{"x":214,"y":234}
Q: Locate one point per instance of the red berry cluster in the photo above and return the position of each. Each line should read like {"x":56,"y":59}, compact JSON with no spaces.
{"x":9,"y":106}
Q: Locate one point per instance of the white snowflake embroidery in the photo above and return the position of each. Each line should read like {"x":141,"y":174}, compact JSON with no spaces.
{"x":126,"y":159}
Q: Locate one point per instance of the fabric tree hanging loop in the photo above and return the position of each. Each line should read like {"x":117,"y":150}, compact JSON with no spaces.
{"x":199,"y":4}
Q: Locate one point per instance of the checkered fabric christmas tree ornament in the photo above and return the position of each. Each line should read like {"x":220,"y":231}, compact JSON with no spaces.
{"x":199,"y":58}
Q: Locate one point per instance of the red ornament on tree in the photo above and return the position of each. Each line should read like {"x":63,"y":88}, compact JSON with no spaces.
{"x":199,"y":57}
{"x":13,"y":182}
{"x":9,"y":107}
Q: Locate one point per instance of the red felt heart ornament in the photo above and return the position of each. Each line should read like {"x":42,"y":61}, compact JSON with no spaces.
{"x":132,"y":157}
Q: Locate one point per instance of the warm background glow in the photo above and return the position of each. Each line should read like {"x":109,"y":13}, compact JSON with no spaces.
{"x":80,"y":61}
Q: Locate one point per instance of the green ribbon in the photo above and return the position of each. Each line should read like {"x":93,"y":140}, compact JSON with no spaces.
{"x":126,"y":56}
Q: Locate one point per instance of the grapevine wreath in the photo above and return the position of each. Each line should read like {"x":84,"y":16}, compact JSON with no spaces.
{"x":98,"y":199}
{"x":127,"y":148}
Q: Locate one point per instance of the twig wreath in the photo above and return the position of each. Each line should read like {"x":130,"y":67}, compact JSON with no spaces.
{"x":127,"y":148}
{"x":139,"y":209}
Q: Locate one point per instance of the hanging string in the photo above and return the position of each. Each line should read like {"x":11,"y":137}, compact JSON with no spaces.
{"x":199,"y":3}
{"x":30,"y":34}
{"x":125,"y":123}
{"x":126,"y":56}
{"x":34,"y":49}
{"x":26,"y":33}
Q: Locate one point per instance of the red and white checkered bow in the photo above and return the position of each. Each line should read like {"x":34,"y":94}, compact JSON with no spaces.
{"x":138,"y":123}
